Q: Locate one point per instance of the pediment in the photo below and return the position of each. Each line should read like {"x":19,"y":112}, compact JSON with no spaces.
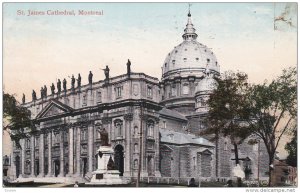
{"x":54,"y":108}
{"x":206,"y":151}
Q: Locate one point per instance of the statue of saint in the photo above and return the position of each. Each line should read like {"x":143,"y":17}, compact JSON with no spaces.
{"x":58,"y":86}
{"x":42,"y":92}
{"x":106,"y":73}
{"x":33,"y":95}
{"x":79,"y":80}
{"x":90,"y":77}
{"x":52,"y":88}
{"x":23,"y":99}
{"x":73,"y":81}
{"x":65,"y":84}
{"x":45,"y":91}
{"x":128,"y":67}
{"x":103,"y":137}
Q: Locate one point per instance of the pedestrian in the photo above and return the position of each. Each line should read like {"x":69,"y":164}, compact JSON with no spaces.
{"x":76,"y":184}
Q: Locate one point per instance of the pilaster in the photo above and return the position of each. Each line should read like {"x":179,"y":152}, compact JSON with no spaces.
{"x":41,"y":156}
{"x":32,"y":155}
{"x":90,"y":148}
{"x":50,"y":172}
{"x":61,"y":150}
{"x":78,"y":151}
{"x":71,"y":152}
{"x":22,"y":143}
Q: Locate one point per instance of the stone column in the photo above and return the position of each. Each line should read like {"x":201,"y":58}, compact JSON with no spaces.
{"x":22,"y":143}
{"x":90,"y":148}
{"x":32,"y":155}
{"x":41,"y":155}
{"x":71,"y":152}
{"x":78,"y":151}
{"x":61,"y":150}
{"x":50,"y":154}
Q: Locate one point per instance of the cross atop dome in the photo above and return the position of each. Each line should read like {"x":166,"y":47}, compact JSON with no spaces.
{"x":189,"y":31}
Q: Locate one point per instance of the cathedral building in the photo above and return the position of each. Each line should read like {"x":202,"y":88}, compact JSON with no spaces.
{"x":140,"y":114}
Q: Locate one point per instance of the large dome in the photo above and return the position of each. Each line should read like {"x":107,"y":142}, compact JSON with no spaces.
{"x":190,"y":57}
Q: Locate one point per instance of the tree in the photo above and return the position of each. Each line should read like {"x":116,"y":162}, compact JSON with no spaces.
{"x":227,"y":110}
{"x":273,"y":111}
{"x":291,"y":148}
{"x":16,"y":118}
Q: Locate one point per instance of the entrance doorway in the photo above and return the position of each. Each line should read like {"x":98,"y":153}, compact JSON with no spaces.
{"x":84,"y":166}
{"x":17,"y":166}
{"x":119,"y":159}
{"x":56,"y":167}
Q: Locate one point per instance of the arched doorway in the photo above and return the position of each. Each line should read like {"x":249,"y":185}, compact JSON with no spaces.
{"x":17,"y":166}
{"x":119,"y":159}
{"x":56,"y":167}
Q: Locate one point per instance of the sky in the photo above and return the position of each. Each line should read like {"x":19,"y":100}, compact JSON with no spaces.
{"x":259,"y":39}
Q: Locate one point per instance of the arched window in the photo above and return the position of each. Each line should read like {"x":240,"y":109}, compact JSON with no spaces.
{"x":84,"y":134}
{"x":135,"y":164}
{"x":118,"y":127}
{"x":99,"y":97}
{"x":136,"y":148}
{"x":149,"y":91}
{"x":27,"y":143}
{"x":136,"y":131}
{"x":27,"y":167}
{"x":150,"y":128}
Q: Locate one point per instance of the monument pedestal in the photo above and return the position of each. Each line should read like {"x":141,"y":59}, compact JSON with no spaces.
{"x":104,"y":174}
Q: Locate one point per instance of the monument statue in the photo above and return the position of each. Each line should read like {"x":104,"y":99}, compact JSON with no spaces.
{"x":65,"y":84}
{"x":90,"y":77}
{"x":103,"y":137}
{"x":73,"y":82}
{"x":33,"y":95}
{"x":106,"y":73}
{"x":52,"y":88}
{"x":58,"y":86}
{"x":45,"y":91}
{"x":128,"y":67}
{"x":79,"y":80}
{"x":23,"y":99}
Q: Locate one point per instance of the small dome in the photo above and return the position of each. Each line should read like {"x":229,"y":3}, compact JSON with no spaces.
{"x":207,"y":84}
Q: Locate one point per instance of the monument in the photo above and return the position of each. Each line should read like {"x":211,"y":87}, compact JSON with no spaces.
{"x":106,"y":173}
